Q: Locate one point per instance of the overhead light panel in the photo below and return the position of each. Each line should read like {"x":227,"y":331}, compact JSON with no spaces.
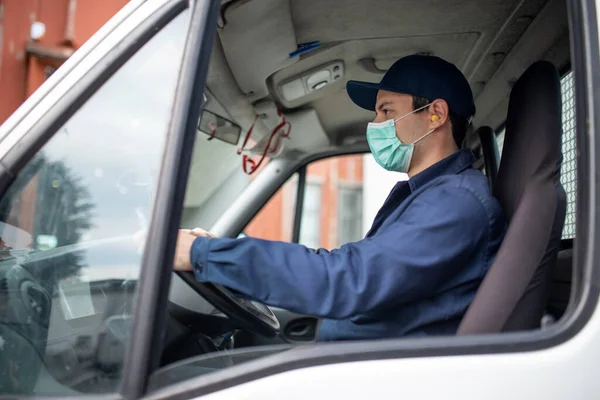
{"x":311,"y":81}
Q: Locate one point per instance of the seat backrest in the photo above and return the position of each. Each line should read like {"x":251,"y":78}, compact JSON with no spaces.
{"x":491,"y":155}
{"x":562,"y":280}
{"x":513,"y":294}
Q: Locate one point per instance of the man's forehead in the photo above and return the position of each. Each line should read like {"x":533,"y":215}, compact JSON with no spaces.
{"x":384,"y":96}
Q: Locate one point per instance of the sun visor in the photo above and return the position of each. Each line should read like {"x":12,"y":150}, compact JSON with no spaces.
{"x":257,"y":40}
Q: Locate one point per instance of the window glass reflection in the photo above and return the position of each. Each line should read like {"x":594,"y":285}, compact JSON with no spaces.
{"x":68,"y":259}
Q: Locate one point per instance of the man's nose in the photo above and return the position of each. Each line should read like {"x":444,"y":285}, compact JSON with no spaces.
{"x":378,"y":118}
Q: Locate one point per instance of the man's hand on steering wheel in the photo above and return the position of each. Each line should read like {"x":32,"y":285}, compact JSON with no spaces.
{"x":250,"y":315}
{"x":185,"y":240}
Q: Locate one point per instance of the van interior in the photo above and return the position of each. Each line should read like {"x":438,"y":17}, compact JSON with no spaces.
{"x":277,"y":79}
{"x":296,"y":57}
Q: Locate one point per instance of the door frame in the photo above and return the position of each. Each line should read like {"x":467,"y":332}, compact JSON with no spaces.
{"x":169,"y":204}
{"x":585,"y":52}
{"x":39,"y":119}
{"x":150,"y":316}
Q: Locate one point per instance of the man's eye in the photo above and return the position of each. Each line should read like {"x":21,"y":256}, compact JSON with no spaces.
{"x":386,"y":112}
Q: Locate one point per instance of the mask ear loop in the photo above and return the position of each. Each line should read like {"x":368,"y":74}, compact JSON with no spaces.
{"x":412,"y":112}
{"x":423,"y":137}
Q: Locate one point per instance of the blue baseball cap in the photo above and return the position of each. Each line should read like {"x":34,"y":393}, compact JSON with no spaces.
{"x":419,"y":75}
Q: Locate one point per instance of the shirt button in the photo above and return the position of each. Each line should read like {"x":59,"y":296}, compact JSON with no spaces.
{"x":198,"y":268}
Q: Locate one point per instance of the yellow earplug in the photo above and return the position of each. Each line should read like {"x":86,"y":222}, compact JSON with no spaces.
{"x":434,"y":118}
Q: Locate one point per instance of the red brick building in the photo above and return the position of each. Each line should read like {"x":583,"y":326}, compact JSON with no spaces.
{"x":59,"y":27}
{"x":333,"y":206}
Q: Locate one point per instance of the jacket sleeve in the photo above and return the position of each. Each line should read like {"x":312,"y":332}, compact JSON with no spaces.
{"x":430,"y":242}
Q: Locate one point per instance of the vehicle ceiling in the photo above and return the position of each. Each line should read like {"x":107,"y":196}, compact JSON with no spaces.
{"x":491,"y":41}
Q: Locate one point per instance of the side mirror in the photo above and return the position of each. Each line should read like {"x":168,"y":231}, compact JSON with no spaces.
{"x":218,"y":127}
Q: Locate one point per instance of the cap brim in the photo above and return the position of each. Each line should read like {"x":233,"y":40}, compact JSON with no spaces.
{"x":363,"y":94}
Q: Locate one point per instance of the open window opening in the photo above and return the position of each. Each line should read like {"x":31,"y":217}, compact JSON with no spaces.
{"x":329,"y":130}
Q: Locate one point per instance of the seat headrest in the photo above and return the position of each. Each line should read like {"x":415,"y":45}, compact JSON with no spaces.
{"x":532,"y":142}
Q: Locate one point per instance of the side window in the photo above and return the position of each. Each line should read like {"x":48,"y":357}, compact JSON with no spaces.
{"x":68,"y":259}
{"x":568,"y":171}
{"x":342,"y":194}
{"x":275,"y":221}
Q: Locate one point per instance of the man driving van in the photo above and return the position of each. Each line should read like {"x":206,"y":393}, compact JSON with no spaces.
{"x":430,"y":245}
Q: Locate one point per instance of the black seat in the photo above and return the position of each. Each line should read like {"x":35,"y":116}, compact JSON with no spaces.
{"x":560,"y":292}
{"x":514,"y":292}
{"x":491,"y":155}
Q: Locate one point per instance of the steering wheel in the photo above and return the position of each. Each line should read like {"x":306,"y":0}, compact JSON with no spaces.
{"x":29,"y":301}
{"x":252,"y":316}
{"x":24,"y":329}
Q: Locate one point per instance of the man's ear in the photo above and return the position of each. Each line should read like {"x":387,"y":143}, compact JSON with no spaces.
{"x":439,"y":113}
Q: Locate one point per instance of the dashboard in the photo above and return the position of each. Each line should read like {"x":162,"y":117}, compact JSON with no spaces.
{"x":69,"y":313}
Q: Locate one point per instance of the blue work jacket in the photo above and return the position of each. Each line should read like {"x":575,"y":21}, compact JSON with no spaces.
{"x":415,"y":272}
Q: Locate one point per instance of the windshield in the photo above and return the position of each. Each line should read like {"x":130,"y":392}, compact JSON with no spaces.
{"x":216,"y":179}
{"x":71,"y":213}
{"x":69,"y":261}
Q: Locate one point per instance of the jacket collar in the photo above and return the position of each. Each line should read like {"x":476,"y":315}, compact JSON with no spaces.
{"x":453,"y":164}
